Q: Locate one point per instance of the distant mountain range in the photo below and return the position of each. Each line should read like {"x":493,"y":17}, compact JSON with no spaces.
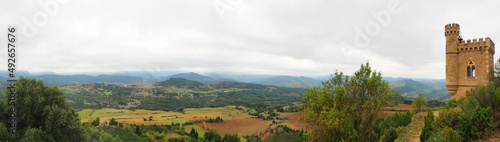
{"x":290,"y":81}
{"x":200,"y":78}
{"x":410,"y":88}
{"x":429,"y":89}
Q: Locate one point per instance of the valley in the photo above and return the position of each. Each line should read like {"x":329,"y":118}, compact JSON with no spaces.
{"x":234,"y":120}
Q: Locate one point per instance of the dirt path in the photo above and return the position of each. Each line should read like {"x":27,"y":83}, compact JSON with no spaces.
{"x":414,"y":129}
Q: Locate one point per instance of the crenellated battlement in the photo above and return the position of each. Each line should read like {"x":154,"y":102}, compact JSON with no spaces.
{"x":476,"y":44}
{"x":452,"y":29}
{"x":452,"y":26}
{"x":468,"y":62}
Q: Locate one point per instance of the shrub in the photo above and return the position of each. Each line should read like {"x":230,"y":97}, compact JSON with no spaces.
{"x":397,"y":122}
{"x":112,"y":121}
{"x":419,"y":103}
{"x":96,"y":121}
{"x":389,"y":135}
{"x":449,"y":117}
{"x":446,"y":134}
{"x":484,"y":96}
{"x":428,"y":129}
{"x":159,"y":135}
{"x":435,"y":103}
{"x":480,"y":120}
{"x":452,"y":104}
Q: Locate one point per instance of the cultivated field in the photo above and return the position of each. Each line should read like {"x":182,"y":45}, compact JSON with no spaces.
{"x":241,"y":125}
{"x":138,"y":116}
{"x":235,"y":121}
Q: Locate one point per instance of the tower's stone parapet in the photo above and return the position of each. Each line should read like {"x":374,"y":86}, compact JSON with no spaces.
{"x":468,"y":63}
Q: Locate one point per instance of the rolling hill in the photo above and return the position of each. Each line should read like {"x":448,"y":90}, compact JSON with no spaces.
{"x":428,"y":88}
{"x":184,"y":84}
{"x":197,"y":77}
{"x":430,"y":91}
{"x":290,"y":81}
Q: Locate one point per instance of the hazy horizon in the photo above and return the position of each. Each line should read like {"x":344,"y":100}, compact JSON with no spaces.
{"x":296,"y":38}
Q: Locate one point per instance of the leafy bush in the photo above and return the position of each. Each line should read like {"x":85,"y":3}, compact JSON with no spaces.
{"x":445,"y":135}
{"x":481,"y":120}
{"x":484,"y":96}
{"x":419,"y":103}
{"x":449,"y":118}
{"x":428,"y":129}
{"x":392,"y":122}
{"x":112,"y":121}
{"x":96,"y":121}
{"x":389,"y":135}
{"x":218,"y":119}
{"x":452,"y":104}
{"x":159,"y":135}
{"x":435,"y":103}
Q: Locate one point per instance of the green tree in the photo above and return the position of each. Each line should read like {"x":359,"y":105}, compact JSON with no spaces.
{"x":231,"y":138}
{"x":33,"y":135}
{"x":193,"y":133}
{"x":42,"y":109}
{"x":345,"y":108}
{"x":96,"y":121}
{"x":397,"y":96}
{"x":138,"y":130}
{"x":92,"y":134}
{"x":212,"y":136}
{"x":419,"y":103}
{"x":112,"y":121}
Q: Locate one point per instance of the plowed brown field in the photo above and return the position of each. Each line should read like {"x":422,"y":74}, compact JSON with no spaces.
{"x":241,"y":125}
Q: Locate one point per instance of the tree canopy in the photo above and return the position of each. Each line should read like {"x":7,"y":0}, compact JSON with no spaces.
{"x":42,"y":112}
{"x":345,"y":108}
{"x":419,"y":103}
{"x":42,"y":115}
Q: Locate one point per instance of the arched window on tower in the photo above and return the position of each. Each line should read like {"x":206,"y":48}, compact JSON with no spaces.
{"x":471,"y":69}
{"x":468,"y":71}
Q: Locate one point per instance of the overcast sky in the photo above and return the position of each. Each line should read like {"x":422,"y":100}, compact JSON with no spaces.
{"x":285,"y":37}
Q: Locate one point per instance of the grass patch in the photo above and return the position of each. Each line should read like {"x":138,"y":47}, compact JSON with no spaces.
{"x":125,"y":134}
{"x":200,"y":131}
{"x":107,"y":92}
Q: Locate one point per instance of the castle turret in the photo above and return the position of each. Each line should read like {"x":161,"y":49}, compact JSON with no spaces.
{"x":468,"y":62}
{"x":453,"y":39}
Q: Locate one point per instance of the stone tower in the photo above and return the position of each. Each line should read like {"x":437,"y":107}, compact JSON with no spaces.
{"x":468,"y":63}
